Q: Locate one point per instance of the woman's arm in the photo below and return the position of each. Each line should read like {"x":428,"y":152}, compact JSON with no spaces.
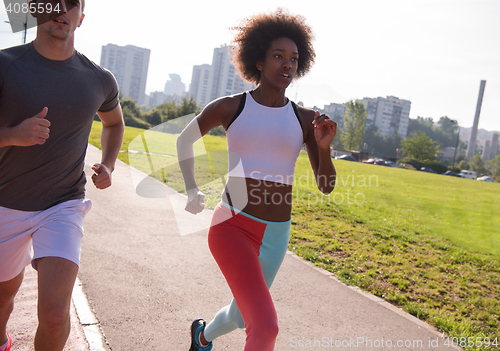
{"x":320,"y":130}
{"x":218,"y":112}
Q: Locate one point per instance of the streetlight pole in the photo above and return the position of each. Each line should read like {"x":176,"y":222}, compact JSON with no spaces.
{"x":456,"y":147}
{"x":26,"y":27}
{"x":25,"y":34}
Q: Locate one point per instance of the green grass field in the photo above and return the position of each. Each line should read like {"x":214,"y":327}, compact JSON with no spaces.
{"x":425,"y":242}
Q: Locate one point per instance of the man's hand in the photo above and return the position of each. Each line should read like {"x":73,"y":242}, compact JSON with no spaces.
{"x":196,"y":201}
{"x":102,"y":176}
{"x":31,"y":131}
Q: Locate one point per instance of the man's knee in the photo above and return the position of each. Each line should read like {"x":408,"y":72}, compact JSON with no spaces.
{"x":9,"y":289}
{"x":53,"y":318}
{"x":7,"y":303}
{"x":6,"y":297}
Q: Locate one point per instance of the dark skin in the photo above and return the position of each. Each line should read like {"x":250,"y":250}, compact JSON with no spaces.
{"x":277,"y":72}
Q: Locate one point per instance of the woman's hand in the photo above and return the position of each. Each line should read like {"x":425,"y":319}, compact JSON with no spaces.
{"x":195,"y":202}
{"x":324,"y":130}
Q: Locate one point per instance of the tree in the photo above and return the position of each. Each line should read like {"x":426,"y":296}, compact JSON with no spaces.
{"x":337,"y":140}
{"x":132,"y":114}
{"x":444,"y":132}
{"x":373,"y":140}
{"x":354,"y":124}
{"x":391,"y":143}
{"x":477,"y":165}
{"x":463,"y":165}
{"x":188,"y":106}
{"x":448,"y":126}
{"x":420,"y":147}
{"x":218,"y":131}
{"x":494,"y":166}
{"x":175,"y":109}
{"x":153,"y":117}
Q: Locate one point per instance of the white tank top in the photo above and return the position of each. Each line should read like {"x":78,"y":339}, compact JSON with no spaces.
{"x":264,"y":142}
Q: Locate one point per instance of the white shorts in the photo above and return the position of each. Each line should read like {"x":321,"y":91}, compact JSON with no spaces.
{"x":55,"y":232}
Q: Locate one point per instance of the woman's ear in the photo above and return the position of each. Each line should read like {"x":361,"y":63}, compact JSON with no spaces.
{"x":259,"y":65}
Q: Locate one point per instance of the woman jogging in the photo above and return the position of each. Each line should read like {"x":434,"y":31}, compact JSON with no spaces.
{"x":250,"y":227}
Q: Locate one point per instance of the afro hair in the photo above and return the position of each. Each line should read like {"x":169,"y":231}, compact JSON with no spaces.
{"x":254,"y":37}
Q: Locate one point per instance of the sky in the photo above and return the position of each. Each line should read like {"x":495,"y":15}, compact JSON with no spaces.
{"x":431,"y":52}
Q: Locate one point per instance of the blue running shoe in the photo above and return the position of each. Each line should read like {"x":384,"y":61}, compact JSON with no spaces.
{"x":196,"y":327}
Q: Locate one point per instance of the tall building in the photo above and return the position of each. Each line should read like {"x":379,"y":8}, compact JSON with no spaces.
{"x":130,"y":65}
{"x":390,"y":115}
{"x":494,"y":146}
{"x":224,"y":79}
{"x":174,"y":86}
{"x":485,"y":156}
{"x":336,"y":113}
{"x":210,"y":82}
{"x":157,"y":98}
{"x":199,"y":87}
{"x":471,"y":148}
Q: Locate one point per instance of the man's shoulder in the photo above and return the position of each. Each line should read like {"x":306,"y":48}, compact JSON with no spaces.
{"x":105,"y":76}
{"x":12,"y":53}
{"x":98,"y":69}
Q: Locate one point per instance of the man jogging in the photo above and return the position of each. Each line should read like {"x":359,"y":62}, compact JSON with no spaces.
{"x":49,"y":94}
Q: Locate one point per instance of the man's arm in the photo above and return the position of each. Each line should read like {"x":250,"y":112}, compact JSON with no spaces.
{"x":111,"y":142}
{"x":31,"y":131}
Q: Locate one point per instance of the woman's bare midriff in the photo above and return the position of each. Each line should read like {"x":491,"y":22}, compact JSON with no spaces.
{"x":266,"y":200}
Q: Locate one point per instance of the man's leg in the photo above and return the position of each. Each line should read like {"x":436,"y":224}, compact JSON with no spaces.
{"x":8,"y":291}
{"x":56,"y":278}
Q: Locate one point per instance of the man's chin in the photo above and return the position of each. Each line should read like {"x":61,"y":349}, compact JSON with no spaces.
{"x":59,"y":34}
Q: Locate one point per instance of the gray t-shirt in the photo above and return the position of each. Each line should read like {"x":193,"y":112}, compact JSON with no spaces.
{"x":37,"y":177}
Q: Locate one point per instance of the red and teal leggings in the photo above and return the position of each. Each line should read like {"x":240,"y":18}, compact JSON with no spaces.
{"x":249,"y":252}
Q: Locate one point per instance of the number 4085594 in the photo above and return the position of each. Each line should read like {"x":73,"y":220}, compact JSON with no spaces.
{"x":471,"y":342}
{"x":32,"y":7}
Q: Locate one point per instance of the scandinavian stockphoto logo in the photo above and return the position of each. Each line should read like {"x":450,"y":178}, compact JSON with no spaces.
{"x":155,"y":160}
{"x":23,"y":13}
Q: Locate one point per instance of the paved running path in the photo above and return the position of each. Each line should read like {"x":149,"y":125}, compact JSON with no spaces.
{"x":145,"y":282}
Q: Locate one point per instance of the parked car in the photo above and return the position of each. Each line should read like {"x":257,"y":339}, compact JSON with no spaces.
{"x":346,"y":157}
{"x":392,"y":164}
{"x":427,"y":169}
{"x":381,"y":163}
{"x":486,"y":179}
{"x":467,"y":174}
{"x":451,"y":173}
{"x":371,"y":161}
{"x":407,"y":166}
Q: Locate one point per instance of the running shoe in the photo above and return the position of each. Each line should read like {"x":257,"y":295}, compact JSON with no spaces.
{"x":196,"y":327}
{"x":9,"y":343}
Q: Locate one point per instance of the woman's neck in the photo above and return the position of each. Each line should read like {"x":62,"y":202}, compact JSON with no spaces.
{"x":269,"y":97}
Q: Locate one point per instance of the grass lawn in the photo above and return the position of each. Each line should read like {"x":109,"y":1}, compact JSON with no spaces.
{"x":425,"y":242}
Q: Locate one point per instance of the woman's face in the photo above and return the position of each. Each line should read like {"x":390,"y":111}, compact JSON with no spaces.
{"x":280,"y":63}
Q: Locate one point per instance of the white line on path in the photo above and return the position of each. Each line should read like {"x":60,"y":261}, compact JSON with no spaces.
{"x":88,"y":321}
